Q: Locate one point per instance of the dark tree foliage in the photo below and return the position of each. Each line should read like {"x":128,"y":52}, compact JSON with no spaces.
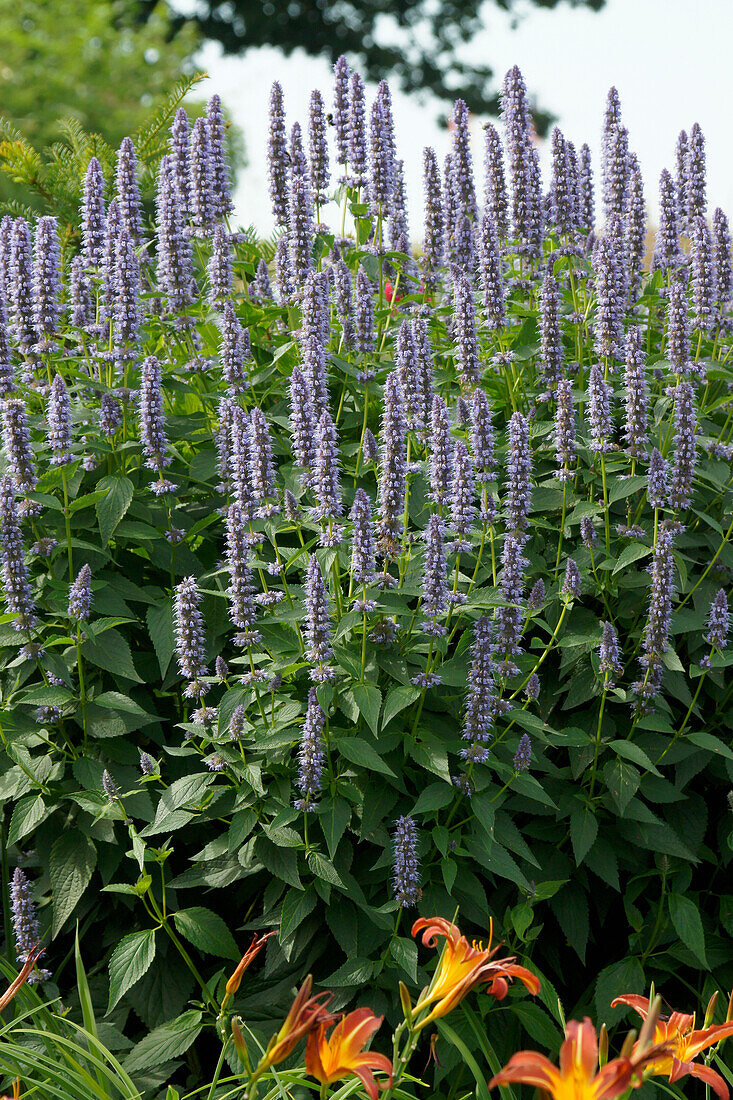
{"x":362,"y":29}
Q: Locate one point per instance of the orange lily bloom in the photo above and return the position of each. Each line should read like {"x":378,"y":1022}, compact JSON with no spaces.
{"x":577,"y":1077}
{"x":306,"y":1012}
{"x":329,"y":1058}
{"x":247,"y":959}
{"x":684,"y":1044}
{"x":461,"y":967}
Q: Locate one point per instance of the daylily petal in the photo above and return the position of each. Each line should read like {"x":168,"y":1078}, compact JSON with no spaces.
{"x":527,"y":1067}
{"x":701,"y":1040}
{"x":710,"y":1077}
{"x":633,"y":1000}
{"x":580,"y":1049}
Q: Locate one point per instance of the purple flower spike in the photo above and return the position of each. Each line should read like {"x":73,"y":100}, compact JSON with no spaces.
{"x":221,"y":183}
{"x":497,"y":208}
{"x":609,"y":654}
{"x":463,"y":504}
{"x":434,"y":243}
{"x":21,"y":287}
{"x":364,"y":313}
{"x":59,"y":427}
{"x":406,"y":866}
{"x":277,"y":157}
{"x":17,"y":444}
{"x":326,"y":474}
{"x":341,"y":119}
{"x":551,"y":349}
{"x":220,"y":267}
{"x":300,"y":224}
{"x":685,"y":455}
{"x":179,"y":156}
{"x":571,"y":585}
{"x":152,"y":419}
{"x":565,"y":430}
{"x":586,"y":203}
{"x":657,"y":485}
{"x":93,"y":215}
{"x":190,"y":637}
{"x":318,"y":622}
{"x":201,"y":179}
{"x":232,"y":350}
{"x":509,"y":620}
{"x":261,"y":467}
{"x":704,"y":294}
{"x":609,"y":310}
{"x":318,"y":149}
{"x":16,"y":589}
{"x":469,"y":371}
{"x":722,"y":257}
{"x":127,"y":189}
{"x":463,"y":182}
{"x":678,"y":327}
{"x":599,"y":411}
{"x":435,"y":589}
{"x":523,"y":755}
{"x":80,"y":595}
{"x":697,"y":203}
{"x":362,"y":541}
{"x":667,"y":251}
{"x":636,"y":425}
{"x":519,"y":472}
{"x":718,"y":621}
{"x":490,"y":267}
{"x":302,"y":422}
{"x":240,"y":591}
{"x":358,"y":146}
{"x":441,"y":452}
{"x":310,"y":755}
{"x":392,"y":466}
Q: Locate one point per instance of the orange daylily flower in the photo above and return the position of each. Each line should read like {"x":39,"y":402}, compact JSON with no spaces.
{"x":329,"y":1058}
{"x":577,"y":1077}
{"x":684,"y":1044}
{"x":247,"y":959}
{"x":462,"y":966}
{"x":306,"y":1012}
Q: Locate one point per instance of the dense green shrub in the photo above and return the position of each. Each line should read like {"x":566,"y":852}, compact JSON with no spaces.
{"x":595,"y":833}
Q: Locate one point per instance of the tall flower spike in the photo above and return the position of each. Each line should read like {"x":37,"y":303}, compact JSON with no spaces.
{"x":657,"y":482}
{"x":425,"y":371}
{"x":152,"y":418}
{"x":318,"y":148}
{"x":326,"y":474}
{"x":175,"y":257}
{"x":59,"y":426}
{"x":80,"y":595}
{"x":92,"y":215}
{"x":221,"y":183}
{"x":599,"y":411}
{"x":201,"y":179}
{"x":261,"y":467}
{"x":16,"y":589}
{"x":7,"y":369}
{"x":469,"y":370}
{"x":21,"y":287}
{"x":509,"y":619}
{"x":586,"y":203}
{"x":364,"y":313}
{"x":697,"y":203}
{"x":519,"y":473}
{"x":609,"y":654}
{"x":655,"y":639}
{"x":178,"y":144}
{"x":6,"y":236}
{"x":718,"y":623}
{"x":362,"y":539}
{"x":463,"y":181}
{"x":636,"y":424}
{"x":434,"y":243}
{"x":232,"y":349}
{"x":223,"y":442}
{"x":551,"y":349}
{"x":81,"y":309}
{"x":435,"y":589}
{"x":127,"y":316}
{"x":310,"y":755}
{"x":571,"y":585}
{"x":406,"y":364}
{"x":382,"y":162}
{"x":357,"y":148}
{"x":277,"y":158}
{"x":565,"y":430}
{"x":463,"y":504}
{"x":681,"y":151}
{"x":399,"y":231}
{"x":26,"y":929}
{"x":678,"y":327}
{"x":283,"y":268}
{"x":722,"y":257}
{"x":301,"y":211}
{"x":344,"y":301}
{"x":260,"y":289}
{"x":635,"y":227}
{"x":341,"y":119}
{"x":497,"y":208}
{"x":685,"y":453}
{"x":703,"y":276}
{"x":667,"y":251}
{"x":482,"y":435}
{"x":523,"y":165}
{"x":112,"y":232}
{"x":302,"y":423}
{"x":240,"y":591}
{"x":608,"y":324}
{"x":478,"y":722}
{"x":190,"y":637}
{"x":240,"y":466}
{"x":318,"y":622}
{"x":17,"y":444}
{"x":406,"y":867}
{"x":127,"y":189}
{"x":392,"y":466}
{"x":219,"y":268}
{"x":441,"y":452}
{"x":450,"y":206}
{"x":490,"y":267}
{"x":616,"y":194}
{"x":110,"y":415}
{"x":563,"y":185}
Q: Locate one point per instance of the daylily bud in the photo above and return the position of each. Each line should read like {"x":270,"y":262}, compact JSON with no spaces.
{"x":239,"y":1044}
{"x":628,"y":1046}
{"x":247,"y":959}
{"x":646,"y":1035}
{"x":710,"y":1010}
{"x":602,"y":1046}
{"x":406,"y":1002}
{"x":729,"y":1013}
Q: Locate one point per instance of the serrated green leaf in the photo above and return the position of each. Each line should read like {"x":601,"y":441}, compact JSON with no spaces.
{"x":110,"y":510}
{"x":112,"y":652}
{"x":72,"y":861}
{"x":688,"y":925}
{"x":360,"y":752}
{"x":368,"y":699}
{"x":206,"y":931}
{"x":129,"y":961}
{"x":165,"y":1042}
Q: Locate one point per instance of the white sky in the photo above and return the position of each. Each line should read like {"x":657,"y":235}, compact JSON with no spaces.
{"x":671,"y":60}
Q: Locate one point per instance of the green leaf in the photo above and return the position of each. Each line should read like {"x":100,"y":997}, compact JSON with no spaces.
{"x":622,"y":781}
{"x":360,"y":752}
{"x":72,"y":861}
{"x":482,"y":1091}
{"x":583,"y":832}
{"x":112,"y":653}
{"x":280,"y":862}
{"x":297,"y":904}
{"x":541,"y":1027}
{"x":28,"y":814}
{"x":404,"y":953}
{"x":629,"y":555}
{"x":434,"y":797}
{"x":129,"y":961}
{"x":626,"y":487}
{"x":160,"y":629}
{"x":111,"y":509}
{"x":335,"y":816}
{"x":396,"y":700}
{"x":368,"y":699}
{"x":711,"y":743}
{"x":165,"y":1042}
{"x":635,"y":754}
{"x":688,"y":925}
{"x":207,"y":931}
{"x":626,"y":976}
{"x":323,"y":868}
